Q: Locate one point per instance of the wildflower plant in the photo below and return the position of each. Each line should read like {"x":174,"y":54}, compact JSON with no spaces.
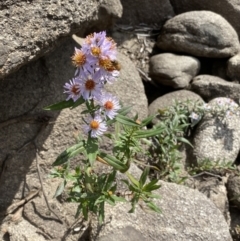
{"x":104,"y":117}
{"x":96,"y":64}
{"x":177,"y":123}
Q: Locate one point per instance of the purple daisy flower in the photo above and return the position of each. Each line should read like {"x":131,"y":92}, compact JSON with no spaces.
{"x":73,"y":89}
{"x":108,"y":68}
{"x":83,"y":60}
{"x":96,"y":38}
{"x":91,"y":85}
{"x":109,"y":104}
{"x":109,"y":49}
{"x":96,"y":125}
{"x":100,"y":46}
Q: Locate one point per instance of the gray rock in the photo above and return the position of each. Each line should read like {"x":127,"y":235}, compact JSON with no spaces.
{"x":30,"y":30}
{"x":200,"y":33}
{"x":229,"y":9}
{"x":217,"y":139}
{"x":233,"y":188}
{"x":215,"y":189}
{"x":24,"y":231}
{"x":186,"y":215}
{"x":169,"y":99}
{"x":210,"y":87}
{"x":127,"y":233}
{"x":235,"y":223}
{"x":140,"y":11}
{"x":173,"y":70}
{"x":233,"y":68}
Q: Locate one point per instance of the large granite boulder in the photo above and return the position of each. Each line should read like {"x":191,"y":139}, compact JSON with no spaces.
{"x":173,"y":70}
{"x":141,"y":11}
{"x":30,"y":29}
{"x":210,"y":87}
{"x":229,"y":9}
{"x":233,"y":68}
{"x":217,"y":137}
{"x":186,"y":215}
{"x":200,"y":33}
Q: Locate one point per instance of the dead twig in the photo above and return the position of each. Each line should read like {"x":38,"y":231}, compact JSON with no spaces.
{"x":207,"y":173}
{"x":16,"y":205}
{"x":41,"y":183}
{"x":144,"y":74}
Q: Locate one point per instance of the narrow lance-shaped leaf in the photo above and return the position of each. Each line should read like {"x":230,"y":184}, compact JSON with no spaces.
{"x":118,"y":199}
{"x":133,"y":180}
{"x":101,"y":213}
{"x":60,"y":105}
{"x":143,"y":177}
{"x":91,"y":149}
{"x":147,"y":120}
{"x":69,"y":153}
{"x":110,"y":180}
{"x":182,"y":139}
{"x":153,"y":207}
{"x":151,"y":186}
{"x":126,"y":121}
{"x":78,"y":102}
{"x":60,"y":188}
{"x":114,"y":162}
{"x":124,"y":110}
{"x":148,"y":133}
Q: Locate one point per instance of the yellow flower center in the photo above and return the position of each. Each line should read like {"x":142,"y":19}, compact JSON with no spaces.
{"x":96,"y":51}
{"x":108,"y":105}
{"x":78,"y":59}
{"x":94,"y":125}
{"x":109,"y":65}
{"x":105,"y":63}
{"x":90,"y":84}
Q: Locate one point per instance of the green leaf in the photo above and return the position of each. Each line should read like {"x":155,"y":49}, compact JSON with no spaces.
{"x":110,"y":200}
{"x":99,"y":200}
{"x":126,"y":121}
{"x":150,"y":185}
{"x":133,"y":202}
{"x":153,"y":207}
{"x":78,"y":102}
{"x":76,"y":189}
{"x":91,"y":149}
{"x":153,"y":187}
{"x":118,"y":199}
{"x":143,"y":177}
{"x":114,"y":162}
{"x":60,"y":189}
{"x":110,"y":179}
{"x":101,"y":215}
{"x":125,"y":110}
{"x":148,"y":133}
{"x":147,"y":120}
{"x":182,"y":139}
{"x":69,"y":153}
{"x":134,"y":181}
{"x":60,"y":105}
{"x":85,"y":210}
